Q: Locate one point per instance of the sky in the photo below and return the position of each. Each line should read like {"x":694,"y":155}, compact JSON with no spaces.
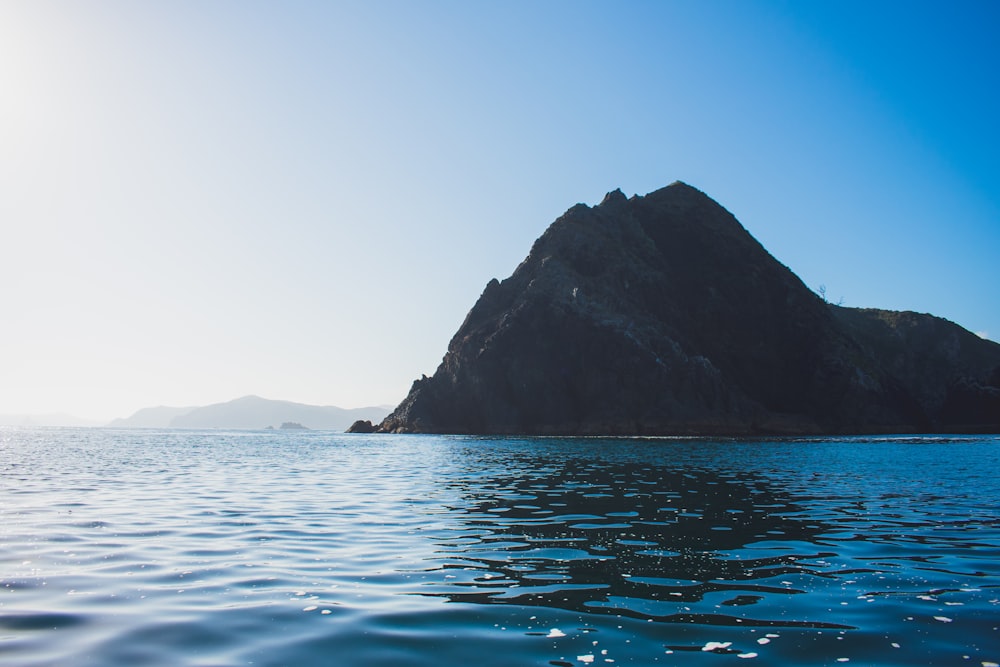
{"x":302,"y":200}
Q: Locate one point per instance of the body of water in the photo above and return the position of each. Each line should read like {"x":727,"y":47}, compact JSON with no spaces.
{"x":122,"y":547}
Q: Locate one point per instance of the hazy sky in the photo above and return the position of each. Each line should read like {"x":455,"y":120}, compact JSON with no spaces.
{"x":302,"y":200}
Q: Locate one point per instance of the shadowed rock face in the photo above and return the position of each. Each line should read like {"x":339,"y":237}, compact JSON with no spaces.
{"x":662,"y":315}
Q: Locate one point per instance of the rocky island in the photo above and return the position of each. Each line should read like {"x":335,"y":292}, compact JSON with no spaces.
{"x":661,"y":315}
{"x":293,"y":426}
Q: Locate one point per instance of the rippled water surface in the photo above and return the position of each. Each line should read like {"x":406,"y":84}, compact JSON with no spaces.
{"x":274,"y":548}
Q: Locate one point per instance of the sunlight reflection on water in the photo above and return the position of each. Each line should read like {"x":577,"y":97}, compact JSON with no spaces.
{"x":232,"y":548}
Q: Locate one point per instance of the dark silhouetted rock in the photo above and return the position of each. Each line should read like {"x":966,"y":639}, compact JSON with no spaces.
{"x":951,"y":373}
{"x":662,"y":315}
{"x":361,"y":426}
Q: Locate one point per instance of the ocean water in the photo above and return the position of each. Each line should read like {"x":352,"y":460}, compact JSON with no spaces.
{"x":140,"y":547}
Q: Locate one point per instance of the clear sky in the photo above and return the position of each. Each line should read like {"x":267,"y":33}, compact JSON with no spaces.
{"x":302,"y":200}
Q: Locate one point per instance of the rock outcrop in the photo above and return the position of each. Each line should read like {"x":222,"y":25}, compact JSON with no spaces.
{"x":662,"y":315}
{"x":361,"y":426}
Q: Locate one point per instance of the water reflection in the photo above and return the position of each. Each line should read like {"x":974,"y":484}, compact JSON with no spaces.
{"x":642,"y":541}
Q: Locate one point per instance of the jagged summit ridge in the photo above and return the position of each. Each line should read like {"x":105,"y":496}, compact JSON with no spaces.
{"x":661,"y":314}
{"x":614,"y":197}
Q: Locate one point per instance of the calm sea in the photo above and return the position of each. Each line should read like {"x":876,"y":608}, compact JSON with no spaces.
{"x":154,"y":547}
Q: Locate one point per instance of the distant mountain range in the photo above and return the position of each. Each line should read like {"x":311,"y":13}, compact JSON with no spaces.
{"x":251,"y":412}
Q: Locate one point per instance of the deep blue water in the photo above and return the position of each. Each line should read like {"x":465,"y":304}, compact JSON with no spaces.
{"x":271,"y":548}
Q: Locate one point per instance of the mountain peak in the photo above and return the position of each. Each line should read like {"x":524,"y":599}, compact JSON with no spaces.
{"x":675,"y":320}
{"x":613,"y":198}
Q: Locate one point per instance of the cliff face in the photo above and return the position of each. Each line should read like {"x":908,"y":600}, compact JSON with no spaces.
{"x":662,"y":315}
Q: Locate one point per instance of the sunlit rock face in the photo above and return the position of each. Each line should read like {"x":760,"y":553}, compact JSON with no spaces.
{"x":662,"y":315}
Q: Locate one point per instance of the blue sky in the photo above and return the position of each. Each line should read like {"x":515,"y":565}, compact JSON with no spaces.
{"x":302,"y":200}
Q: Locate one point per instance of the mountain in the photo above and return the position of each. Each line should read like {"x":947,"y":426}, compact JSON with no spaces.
{"x":250,"y":412}
{"x":158,"y":417}
{"x":661,"y":314}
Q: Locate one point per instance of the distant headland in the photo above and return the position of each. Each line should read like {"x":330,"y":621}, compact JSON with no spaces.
{"x":251,"y":412}
{"x":661,"y":315}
